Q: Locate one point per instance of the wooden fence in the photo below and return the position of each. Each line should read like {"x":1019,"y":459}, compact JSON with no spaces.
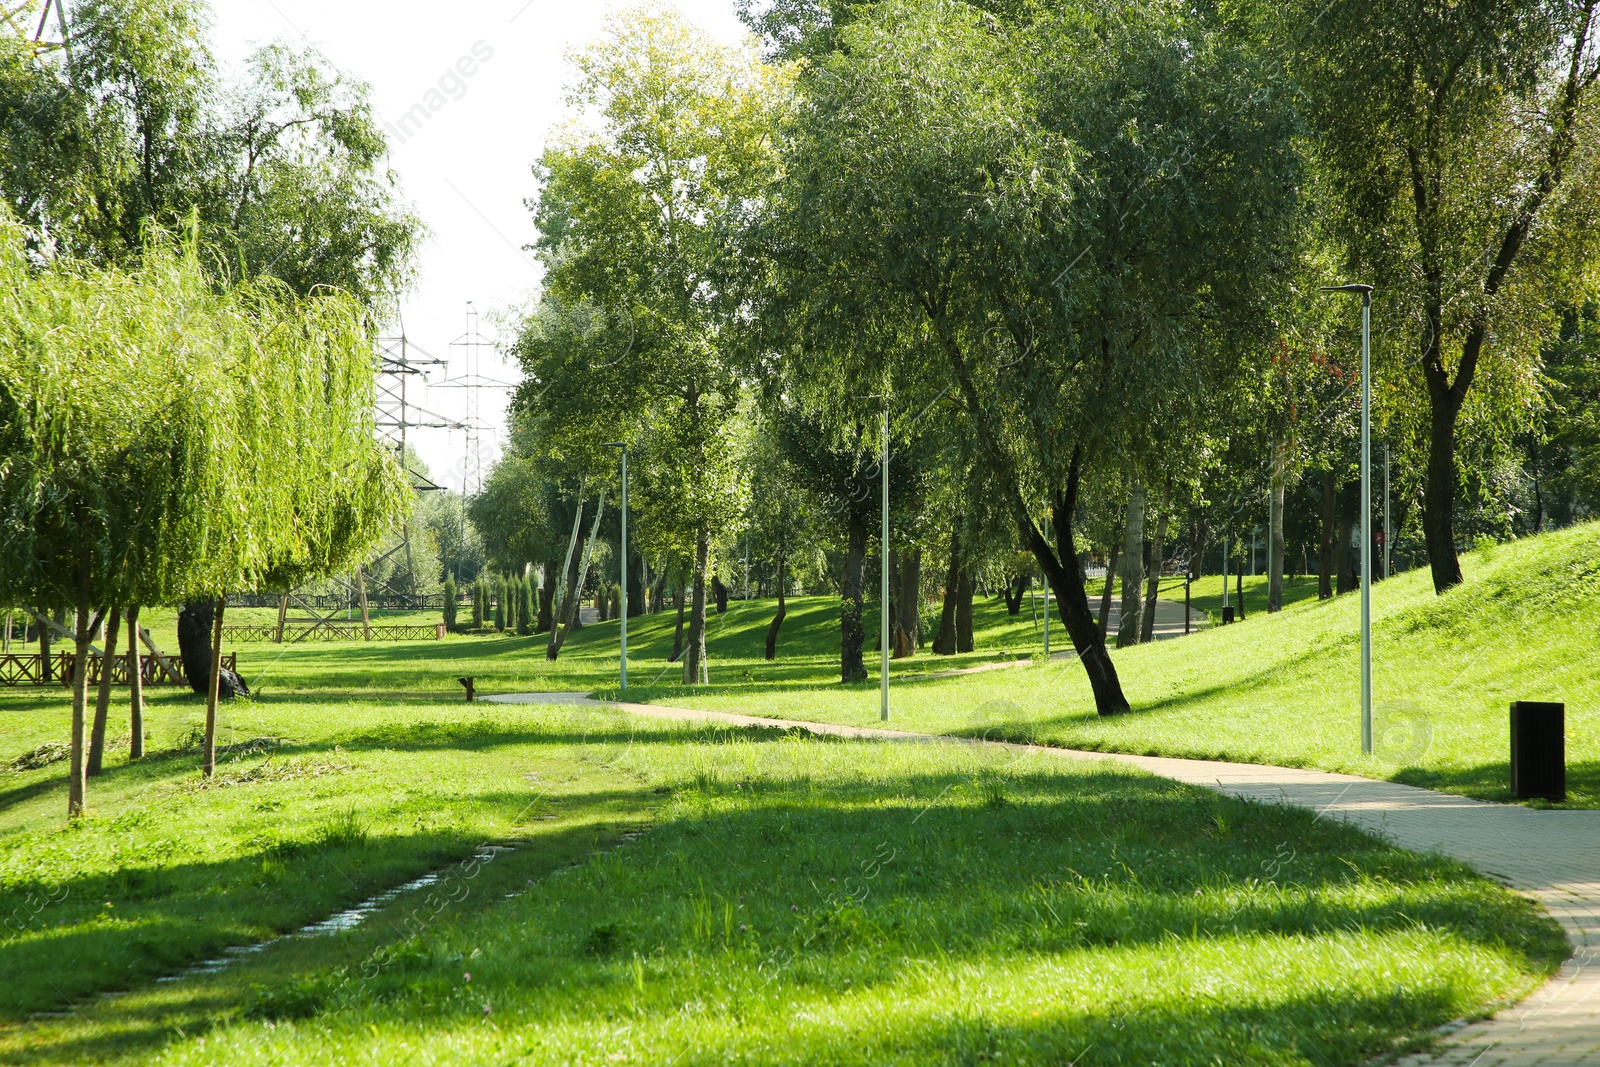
{"x":27,"y":669}
{"x":349,"y":631}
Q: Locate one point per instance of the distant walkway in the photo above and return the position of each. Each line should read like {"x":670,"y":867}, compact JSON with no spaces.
{"x":1553,"y":856}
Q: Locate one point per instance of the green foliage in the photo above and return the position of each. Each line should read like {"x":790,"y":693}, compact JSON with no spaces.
{"x":526,"y":616}
{"x":500,"y":601}
{"x":165,"y":439}
{"x":450,"y":603}
{"x":284,"y":170}
{"x":479,"y":599}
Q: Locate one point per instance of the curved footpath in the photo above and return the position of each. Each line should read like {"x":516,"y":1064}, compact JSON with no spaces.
{"x":1553,"y":856}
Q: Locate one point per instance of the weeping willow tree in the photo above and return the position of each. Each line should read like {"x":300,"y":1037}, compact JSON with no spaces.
{"x":163,"y":439}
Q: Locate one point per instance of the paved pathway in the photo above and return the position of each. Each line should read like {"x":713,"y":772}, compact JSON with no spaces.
{"x":1554,"y":856}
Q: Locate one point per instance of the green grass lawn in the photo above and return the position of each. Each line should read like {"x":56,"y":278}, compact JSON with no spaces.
{"x":1285,"y":688}
{"x":683,"y":894}
{"x":791,"y":899}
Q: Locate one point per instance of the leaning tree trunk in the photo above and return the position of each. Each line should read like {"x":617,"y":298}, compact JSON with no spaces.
{"x":777,"y":620}
{"x":208,"y":760}
{"x":136,"y":688}
{"x":694,"y":660}
{"x":1439,"y":496}
{"x":102,"y":697}
{"x":1063,"y":572}
{"x":852,"y":634}
{"x":1275,"y":530}
{"x":1131,"y":618}
{"x":1105,"y":594}
{"x":76,"y":786}
{"x":572,"y":603}
{"x":1147,"y":625}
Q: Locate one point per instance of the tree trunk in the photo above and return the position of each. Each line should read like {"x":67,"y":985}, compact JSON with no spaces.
{"x":1197,"y":546}
{"x":46,"y":668}
{"x":208,"y":759}
{"x":1275,"y":529}
{"x":283,"y":615}
{"x":777,"y":620}
{"x":964,"y":640}
{"x":1105,"y":594}
{"x":1325,"y":549}
{"x":1439,"y":497}
{"x":1344,"y":551}
{"x":547,"y":595}
{"x":572,"y":603}
{"x":638,"y":582}
{"x":1131,"y":619}
{"x":1147,"y":626}
{"x":681,"y":604}
{"x":76,"y":786}
{"x":907,"y":610}
{"x":136,"y":688}
{"x":694,"y":662}
{"x":102,"y":697}
{"x":719,"y":593}
{"x":1016,"y":587}
{"x":852,"y":634}
{"x":944,"y":643}
{"x":1064,"y":573}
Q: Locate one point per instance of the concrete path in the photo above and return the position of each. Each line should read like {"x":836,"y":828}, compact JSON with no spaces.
{"x":1553,"y":856}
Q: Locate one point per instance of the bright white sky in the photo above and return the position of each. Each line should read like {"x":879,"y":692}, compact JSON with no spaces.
{"x":466,"y":170}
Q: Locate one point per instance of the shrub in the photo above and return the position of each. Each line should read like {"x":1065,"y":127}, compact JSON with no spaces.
{"x":450,"y":604}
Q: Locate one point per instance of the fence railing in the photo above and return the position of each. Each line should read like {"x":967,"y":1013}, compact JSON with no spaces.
{"x":247,"y":634}
{"x":335,"y":601}
{"x":27,"y":668}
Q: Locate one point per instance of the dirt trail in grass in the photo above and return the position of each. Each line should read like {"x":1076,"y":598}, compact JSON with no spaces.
{"x":1553,"y":856}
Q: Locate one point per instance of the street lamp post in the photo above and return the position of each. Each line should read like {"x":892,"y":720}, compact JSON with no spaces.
{"x":624,"y":615}
{"x":1366,"y":506}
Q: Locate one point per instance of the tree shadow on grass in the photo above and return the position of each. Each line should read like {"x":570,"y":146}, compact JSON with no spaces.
{"x":777,"y":888}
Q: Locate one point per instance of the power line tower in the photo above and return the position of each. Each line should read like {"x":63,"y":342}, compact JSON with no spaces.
{"x":400,"y":360}
{"x":36,"y":33}
{"x":466,"y":354}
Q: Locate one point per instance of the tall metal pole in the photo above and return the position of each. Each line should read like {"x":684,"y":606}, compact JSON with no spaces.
{"x":1366,"y":506}
{"x":1366,"y":520}
{"x":624,"y":568}
{"x":883,"y":624}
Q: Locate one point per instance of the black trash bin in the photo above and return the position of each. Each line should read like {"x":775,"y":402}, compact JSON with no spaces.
{"x":1227,"y":615}
{"x":1538,"y":750}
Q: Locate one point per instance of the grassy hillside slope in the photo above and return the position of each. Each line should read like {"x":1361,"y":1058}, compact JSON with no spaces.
{"x":1284,"y":688}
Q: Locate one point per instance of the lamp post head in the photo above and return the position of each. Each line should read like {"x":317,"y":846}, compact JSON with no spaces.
{"x":1354,"y":287}
{"x":614,"y":444}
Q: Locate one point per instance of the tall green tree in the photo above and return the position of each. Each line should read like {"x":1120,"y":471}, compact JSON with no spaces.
{"x":133,"y":125}
{"x":1458,"y":140}
{"x":1082,"y":212}
{"x":670,"y":145}
{"x":165,"y":439}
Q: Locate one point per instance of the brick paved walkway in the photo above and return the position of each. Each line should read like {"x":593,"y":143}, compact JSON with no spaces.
{"x":1553,"y":856}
